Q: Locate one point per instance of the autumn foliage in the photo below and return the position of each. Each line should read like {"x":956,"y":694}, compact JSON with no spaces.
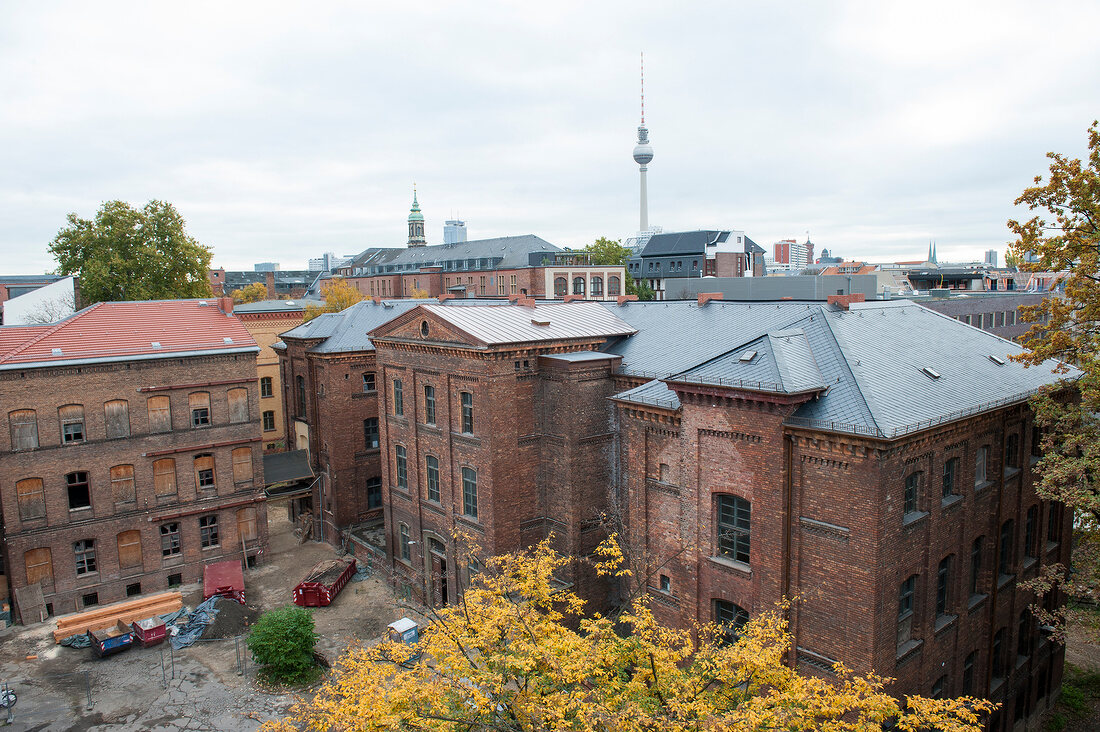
{"x":338,"y":294}
{"x":516,"y":654}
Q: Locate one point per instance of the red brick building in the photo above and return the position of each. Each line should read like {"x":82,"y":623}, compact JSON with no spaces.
{"x":132,"y":450}
{"x":871,"y":459}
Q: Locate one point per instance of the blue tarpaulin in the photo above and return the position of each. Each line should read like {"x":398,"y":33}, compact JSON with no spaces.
{"x":203,"y":616}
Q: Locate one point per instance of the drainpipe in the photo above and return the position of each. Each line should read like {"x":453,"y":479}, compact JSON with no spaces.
{"x":788,"y":530}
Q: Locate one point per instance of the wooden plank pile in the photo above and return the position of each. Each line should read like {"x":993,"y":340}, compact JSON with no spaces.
{"x":124,"y":612}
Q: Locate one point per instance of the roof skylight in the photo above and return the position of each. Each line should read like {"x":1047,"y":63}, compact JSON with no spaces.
{"x":747,"y":356}
{"x":931,"y":373}
{"x":997,"y":360}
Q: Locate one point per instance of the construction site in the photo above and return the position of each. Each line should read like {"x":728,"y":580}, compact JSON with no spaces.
{"x":210,"y":685}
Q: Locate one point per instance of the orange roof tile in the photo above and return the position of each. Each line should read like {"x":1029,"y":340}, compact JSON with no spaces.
{"x":125,"y":330}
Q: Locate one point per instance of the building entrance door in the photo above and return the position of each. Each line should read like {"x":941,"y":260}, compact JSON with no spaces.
{"x":438,"y":555}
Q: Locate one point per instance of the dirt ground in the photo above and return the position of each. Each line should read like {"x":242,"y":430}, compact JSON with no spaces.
{"x":210,"y":686}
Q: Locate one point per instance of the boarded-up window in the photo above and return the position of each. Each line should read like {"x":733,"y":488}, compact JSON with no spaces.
{"x":246,"y":523}
{"x":117,"y":415}
{"x":122,"y":485}
{"x":160,"y":414}
{"x":164,"y":477}
{"x":24,"y":429}
{"x":72,"y":423}
{"x":204,"y":472}
{"x":242,"y":465}
{"x":199,"y":404}
{"x":129,"y":549}
{"x":238,"y":405}
{"x":32,"y":499}
{"x":39,"y":564}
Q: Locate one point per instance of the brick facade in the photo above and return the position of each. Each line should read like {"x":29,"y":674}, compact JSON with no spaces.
{"x":122,"y":495}
{"x":265,"y":327}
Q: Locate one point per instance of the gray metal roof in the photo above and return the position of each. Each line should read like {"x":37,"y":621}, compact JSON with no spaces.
{"x":501,"y":324}
{"x":653,"y":392}
{"x":347,"y":330}
{"x":870,"y":359}
{"x":682,"y":242}
{"x":505,"y":252}
{"x":284,"y":467}
{"x":276,"y":306}
{"x":579,"y":356}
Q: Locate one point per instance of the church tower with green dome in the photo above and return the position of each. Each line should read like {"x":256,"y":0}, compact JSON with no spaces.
{"x":416,"y":224}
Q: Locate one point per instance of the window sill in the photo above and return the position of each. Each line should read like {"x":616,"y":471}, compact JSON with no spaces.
{"x":943,"y":622}
{"x":1021,"y":660}
{"x":79,"y":510}
{"x":736,"y":566}
{"x":995,"y":683}
{"x":1011,"y":472}
{"x":432,"y":429}
{"x":470,"y":521}
{"x":212,"y":547}
{"x":978,"y":487}
{"x":1004,"y":579}
{"x":907,"y":649}
{"x":1051,"y":546}
{"x":975,"y":601}
{"x":1034,"y":461}
{"x":910,"y":519}
{"x":1029,"y":562}
{"x":172,"y":560}
{"x":952,"y":500}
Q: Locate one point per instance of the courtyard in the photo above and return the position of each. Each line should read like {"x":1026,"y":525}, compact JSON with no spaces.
{"x":210,"y":686}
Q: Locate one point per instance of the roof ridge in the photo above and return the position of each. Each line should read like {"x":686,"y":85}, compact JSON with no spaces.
{"x":49,"y":331}
{"x":844,"y":359}
{"x":738,"y":347}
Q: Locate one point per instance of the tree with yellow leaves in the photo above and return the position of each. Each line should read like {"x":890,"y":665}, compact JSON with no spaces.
{"x":249,"y":293}
{"x":517,"y":653}
{"x":338,"y":295}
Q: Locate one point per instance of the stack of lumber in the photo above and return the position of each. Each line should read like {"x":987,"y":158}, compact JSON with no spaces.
{"x":124,"y":612}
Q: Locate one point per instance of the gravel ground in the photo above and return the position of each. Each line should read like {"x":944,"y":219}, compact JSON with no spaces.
{"x":204,"y":689}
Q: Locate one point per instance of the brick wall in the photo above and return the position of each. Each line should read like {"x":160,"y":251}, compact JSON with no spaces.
{"x":44,"y":390}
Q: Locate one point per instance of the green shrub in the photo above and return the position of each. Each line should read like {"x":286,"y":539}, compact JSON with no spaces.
{"x":282,"y":641}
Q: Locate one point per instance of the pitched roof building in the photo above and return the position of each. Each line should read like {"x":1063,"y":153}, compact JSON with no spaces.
{"x":702,"y":253}
{"x":132,"y":454}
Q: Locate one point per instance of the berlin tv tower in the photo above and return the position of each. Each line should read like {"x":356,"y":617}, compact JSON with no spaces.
{"x":643,"y":153}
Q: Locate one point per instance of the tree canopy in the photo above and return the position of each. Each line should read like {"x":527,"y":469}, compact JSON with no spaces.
{"x":254,"y":292}
{"x":517,"y":653}
{"x":131,"y":254}
{"x":282,"y":641}
{"x":606,"y":252}
{"x":338,"y":295}
{"x":1065,"y":236}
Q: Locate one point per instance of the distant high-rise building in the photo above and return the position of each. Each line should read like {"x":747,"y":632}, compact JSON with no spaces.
{"x":790,"y":254}
{"x":265,"y":267}
{"x":416,"y":224}
{"x":991,"y":257}
{"x":454,"y":231}
{"x":327,"y":262}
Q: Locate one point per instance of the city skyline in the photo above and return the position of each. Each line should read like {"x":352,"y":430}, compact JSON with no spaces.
{"x":287,"y":133}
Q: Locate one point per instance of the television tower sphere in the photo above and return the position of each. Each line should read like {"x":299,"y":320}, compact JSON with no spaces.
{"x":643,"y":152}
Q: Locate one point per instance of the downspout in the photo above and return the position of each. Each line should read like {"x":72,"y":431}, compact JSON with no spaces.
{"x":788,"y":531}
{"x":996,"y":559}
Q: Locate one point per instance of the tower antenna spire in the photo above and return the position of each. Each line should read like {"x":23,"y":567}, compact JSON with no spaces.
{"x":643,"y":88}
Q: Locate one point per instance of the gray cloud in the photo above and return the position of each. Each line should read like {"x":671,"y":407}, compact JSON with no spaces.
{"x":281,"y":131}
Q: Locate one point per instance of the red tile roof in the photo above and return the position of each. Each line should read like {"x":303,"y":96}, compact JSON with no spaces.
{"x":125,"y":330}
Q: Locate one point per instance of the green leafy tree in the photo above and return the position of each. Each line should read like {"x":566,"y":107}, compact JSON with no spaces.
{"x":640,"y":288}
{"x":131,"y":254}
{"x":606,"y":252}
{"x":282,"y":641}
{"x":254,"y":292}
{"x":1065,"y":237}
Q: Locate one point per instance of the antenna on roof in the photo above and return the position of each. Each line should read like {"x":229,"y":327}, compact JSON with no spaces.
{"x":643,"y":88}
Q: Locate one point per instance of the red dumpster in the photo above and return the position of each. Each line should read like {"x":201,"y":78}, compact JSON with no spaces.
{"x":150,"y":631}
{"x":224,"y":579}
{"x":324,"y":582}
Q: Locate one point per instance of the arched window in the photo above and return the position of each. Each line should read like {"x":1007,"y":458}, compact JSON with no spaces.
{"x":238,"y":405}
{"x":24,"y":429}
{"x":614,"y":286}
{"x":199,"y":404}
{"x":469,"y":492}
{"x":72,"y":423}
{"x":242,"y":465}
{"x":204,"y":472}
{"x":301,"y":401}
{"x":432,"y":465}
{"x":731,"y":617}
{"x":403,"y":541}
{"x":164,"y":478}
{"x":117,"y":417}
{"x":597,"y":287}
{"x":122,"y":486}
{"x":578,"y":286}
{"x":561,"y":287}
{"x":401,"y":458}
{"x":32,"y":498}
{"x":266,"y":386}
{"x":39,"y":566}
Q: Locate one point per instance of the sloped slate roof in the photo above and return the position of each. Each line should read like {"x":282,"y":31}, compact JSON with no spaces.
{"x":110,"y":331}
{"x":275,"y":306}
{"x":680,"y":242}
{"x":501,"y":324}
{"x":653,"y":392}
{"x":780,"y":361}
{"x":869,"y":360}
{"x":347,"y":330}
{"x":513,"y":249}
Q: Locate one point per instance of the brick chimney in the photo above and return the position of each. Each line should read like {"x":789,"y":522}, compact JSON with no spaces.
{"x":705,"y":297}
{"x":843,"y":301}
{"x":226,"y":305}
{"x":571,"y":298}
{"x":624,"y":299}
{"x":269,"y":283}
{"x":446,"y":296}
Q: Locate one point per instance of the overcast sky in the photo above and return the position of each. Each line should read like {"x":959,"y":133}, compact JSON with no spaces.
{"x":281,"y":131}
